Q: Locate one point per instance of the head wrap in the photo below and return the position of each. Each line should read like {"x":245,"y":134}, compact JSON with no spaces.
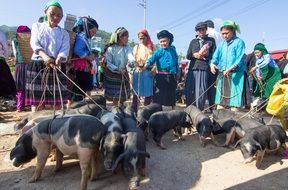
{"x":261,"y":47}
{"x":115,"y":35}
{"x":200,"y":25}
{"x":84,"y":24}
{"x":23,"y":29}
{"x":209,"y":23}
{"x":232,"y":24}
{"x":165,"y":34}
{"x":50,"y":4}
{"x":149,"y":44}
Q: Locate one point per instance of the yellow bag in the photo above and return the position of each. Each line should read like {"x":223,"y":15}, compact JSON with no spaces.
{"x":278,"y":100}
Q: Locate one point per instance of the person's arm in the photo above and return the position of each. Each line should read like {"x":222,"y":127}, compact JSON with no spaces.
{"x":36,"y":46}
{"x":189,"y":55}
{"x":81,"y":50}
{"x":64,"y":50}
{"x":215,"y":60}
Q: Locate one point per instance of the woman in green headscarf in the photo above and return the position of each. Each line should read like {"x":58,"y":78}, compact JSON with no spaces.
{"x":118,"y":56}
{"x":266,"y":70}
{"x":50,"y":45}
{"x":228,"y":58}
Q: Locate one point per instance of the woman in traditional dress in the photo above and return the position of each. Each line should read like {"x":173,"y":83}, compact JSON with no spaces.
{"x":118,"y":57}
{"x":20,"y":68}
{"x":228,"y":58}
{"x":166,"y":60}
{"x":85,"y":28}
{"x":7,"y":84}
{"x":267,"y":72}
{"x":142,"y":80}
{"x":50,"y":45}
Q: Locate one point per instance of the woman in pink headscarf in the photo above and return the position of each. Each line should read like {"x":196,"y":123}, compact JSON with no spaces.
{"x":142,"y":80}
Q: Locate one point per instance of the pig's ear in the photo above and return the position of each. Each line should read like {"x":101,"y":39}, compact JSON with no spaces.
{"x":124,"y":137}
{"x":101,"y":143}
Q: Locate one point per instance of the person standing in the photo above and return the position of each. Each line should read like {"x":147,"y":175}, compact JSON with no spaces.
{"x":267,"y":72}
{"x":50,"y":45}
{"x":199,"y":53}
{"x":118,"y":56}
{"x":85,"y":28}
{"x":142,"y":80}
{"x":20,"y":68}
{"x":211,"y":31}
{"x":7,"y":83}
{"x":166,"y":60}
{"x":228,"y":58}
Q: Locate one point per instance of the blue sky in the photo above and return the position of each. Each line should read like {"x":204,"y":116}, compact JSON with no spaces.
{"x":260,"y":20}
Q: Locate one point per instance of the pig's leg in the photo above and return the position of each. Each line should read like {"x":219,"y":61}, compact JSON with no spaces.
{"x":259,"y":157}
{"x":59,"y":160}
{"x":43,"y":150}
{"x":84,"y":155}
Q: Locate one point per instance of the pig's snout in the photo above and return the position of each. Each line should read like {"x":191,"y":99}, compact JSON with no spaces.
{"x":134,"y":183}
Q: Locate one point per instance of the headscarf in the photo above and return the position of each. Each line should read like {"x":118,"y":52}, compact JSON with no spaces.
{"x":84,"y":24}
{"x":115,"y":35}
{"x":23,"y":29}
{"x":50,"y":4}
{"x":232,"y":24}
{"x":149,"y":42}
{"x":165,"y":34}
{"x":261,"y":47}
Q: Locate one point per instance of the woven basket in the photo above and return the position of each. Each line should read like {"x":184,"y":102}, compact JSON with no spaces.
{"x":24,"y":46}
{"x":26,"y":50}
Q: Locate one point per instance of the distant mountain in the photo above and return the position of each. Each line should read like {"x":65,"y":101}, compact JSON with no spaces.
{"x":9,"y":31}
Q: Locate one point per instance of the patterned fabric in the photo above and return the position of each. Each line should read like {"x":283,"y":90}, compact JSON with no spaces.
{"x":115,"y":35}
{"x":37,"y":91}
{"x":116,"y":86}
{"x":84,"y":24}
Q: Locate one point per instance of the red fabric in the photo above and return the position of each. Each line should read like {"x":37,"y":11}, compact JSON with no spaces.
{"x":149,"y":44}
{"x":80,"y":64}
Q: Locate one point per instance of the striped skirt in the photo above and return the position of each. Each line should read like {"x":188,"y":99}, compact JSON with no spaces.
{"x":116,"y":86}
{"x":20,"y":76}
{"x":42,"y":86}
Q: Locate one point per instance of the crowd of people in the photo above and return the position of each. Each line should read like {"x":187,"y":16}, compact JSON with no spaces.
{"x":217,"y":72}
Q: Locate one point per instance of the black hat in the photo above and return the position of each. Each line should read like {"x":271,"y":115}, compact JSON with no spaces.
{"x":200,"y":25}
{"x":165,"y":34}
{"x":209,"y":23}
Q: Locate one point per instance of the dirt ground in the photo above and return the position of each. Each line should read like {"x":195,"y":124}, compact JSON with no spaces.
{"x":184,"y":165}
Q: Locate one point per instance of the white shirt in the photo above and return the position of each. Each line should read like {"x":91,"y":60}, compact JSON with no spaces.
{"x":54,"y":42}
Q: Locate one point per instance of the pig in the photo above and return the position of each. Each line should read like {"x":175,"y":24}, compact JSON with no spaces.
{"x":235,"y":124}
{"x":161,"y":122}
{"x":134,"y":155}
{"x":144,"y":114}
{"x":261,"y":139}
{"x":72,"y":135}
{"x":98,"y":99}
{"x":203,"y":124}
{"x":34,"y":118}
{"x":112,"y":145}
